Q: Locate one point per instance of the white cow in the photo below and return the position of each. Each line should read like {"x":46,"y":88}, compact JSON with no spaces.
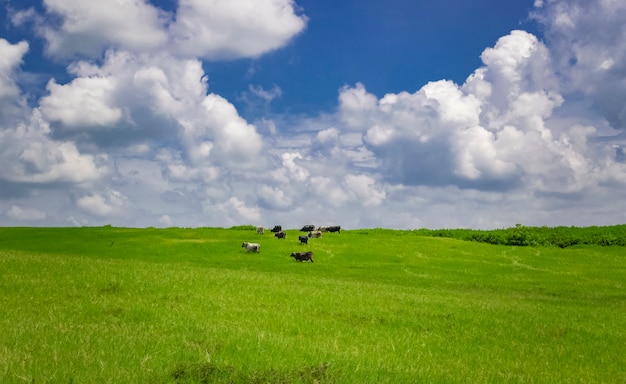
{"x":260,"y":230}
{"x":251,"y":247}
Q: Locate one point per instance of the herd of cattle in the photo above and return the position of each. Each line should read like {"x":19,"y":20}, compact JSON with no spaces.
{"x":280,"y":234}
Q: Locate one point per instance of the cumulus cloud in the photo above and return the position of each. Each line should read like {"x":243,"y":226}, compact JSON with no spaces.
{"x":84,"y":102}
{"x":215,"y":29}
{"x":11,"y":56}
{"x":11,"y":99}
{"x":134,"y":135}
{"x":494,"y":131}
{"x":30,"y":155}
{"x":365,"y":188}
{"x":102,"y":204}
{"x":87,"y":28}
{"x":238,"y":212}
{"x":211,"y":29}
{"x":25,"y":214}
{"x":592,"y":60}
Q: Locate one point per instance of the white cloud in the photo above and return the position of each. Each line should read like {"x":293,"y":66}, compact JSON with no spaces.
{"x":25,"y":214}
{"x":134,"y":136}
{"x":30,"y":155}
{"x":107,"y":204}
{"x":215,"y":29}
{"x":274,"y":197}
{"x":355,"y":102}
{"x":235,"y":138}
{"x":84,"y":102}
{"x":166,"y":221}
{"x":494,"y":128}
{"x":267,"y":95}
{"x":87,"y":27}
{"x":591,"y":60}
{"x":328,"y":191}
{"x":297,"y":172}
{"x":11,"y":56}
{"x":238,"y":212}
{"x":364,"y":187}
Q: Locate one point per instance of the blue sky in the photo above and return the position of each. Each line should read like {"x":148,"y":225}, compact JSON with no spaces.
{"x":400,"y":114}
{"x":389,"y":46}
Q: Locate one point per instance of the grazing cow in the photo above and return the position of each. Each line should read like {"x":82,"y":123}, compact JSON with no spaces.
{"x":303,"y":239}
{"x":277,"y":228}
{"x":251,"y":247}
{"x":281,"y":234}
{"x":260,"y":230}
{"x":315,"y":234}
{"x":302,"y":256}
{"x":334,"y":228}
{"x":308,"y":228}
{"x":322,"y":228}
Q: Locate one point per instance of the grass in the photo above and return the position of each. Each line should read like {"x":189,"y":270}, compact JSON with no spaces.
{"x":121,"y":305}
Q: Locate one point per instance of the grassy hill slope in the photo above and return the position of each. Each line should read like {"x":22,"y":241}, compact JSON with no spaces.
{"x":115,"y":305}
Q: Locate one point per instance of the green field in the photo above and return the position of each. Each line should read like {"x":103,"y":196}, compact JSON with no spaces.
{"x":121,"y":305}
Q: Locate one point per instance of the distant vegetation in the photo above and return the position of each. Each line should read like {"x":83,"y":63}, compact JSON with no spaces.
{"x":537,"y":236}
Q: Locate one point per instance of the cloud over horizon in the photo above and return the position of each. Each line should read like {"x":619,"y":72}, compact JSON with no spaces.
{"x":136,"y":137}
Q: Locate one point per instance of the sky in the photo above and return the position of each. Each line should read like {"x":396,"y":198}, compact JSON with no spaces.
{"x":401,"y":114}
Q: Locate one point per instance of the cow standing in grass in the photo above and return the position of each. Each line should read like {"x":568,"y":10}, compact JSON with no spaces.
{"x":302,"y":256}
{"x":251,"y":247}
{"x":303,"y":239}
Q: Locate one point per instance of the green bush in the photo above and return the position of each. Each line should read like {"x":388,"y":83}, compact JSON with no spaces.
{"x":521,"y":235}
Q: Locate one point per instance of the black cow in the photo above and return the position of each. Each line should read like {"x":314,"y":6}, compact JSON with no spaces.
{"x":277,"y":228}
{"x":308,"y":228}
{"x":281,"y":234}
{"x":302,"y":256}
{"x":334,"y":228}
{"x":303,"y":239}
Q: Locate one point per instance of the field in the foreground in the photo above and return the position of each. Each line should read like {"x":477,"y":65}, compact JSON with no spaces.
{"x":115,"y":305}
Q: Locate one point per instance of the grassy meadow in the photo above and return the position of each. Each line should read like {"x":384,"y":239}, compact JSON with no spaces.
{"x":123,"y":305}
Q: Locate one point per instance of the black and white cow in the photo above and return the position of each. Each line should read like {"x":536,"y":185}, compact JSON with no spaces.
{"x":277,"y":228}
{"x":303,"y":239}
{"x":280,"y":234}
{"x":334,"y":228}
{"x":307,"y":228}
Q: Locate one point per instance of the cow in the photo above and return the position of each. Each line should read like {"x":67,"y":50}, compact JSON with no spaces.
{"x":260,"y":230}
{"x":334,"y":228}
{"x":315,"y":234}
{"x":281,"y":234}
{"x":307,"y":228}
{"x":303,"y":239}
{"x":277,"y":228}
{"x":251,"y":247}
{"x":322,"y":228}
{"x":302,"y":256}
